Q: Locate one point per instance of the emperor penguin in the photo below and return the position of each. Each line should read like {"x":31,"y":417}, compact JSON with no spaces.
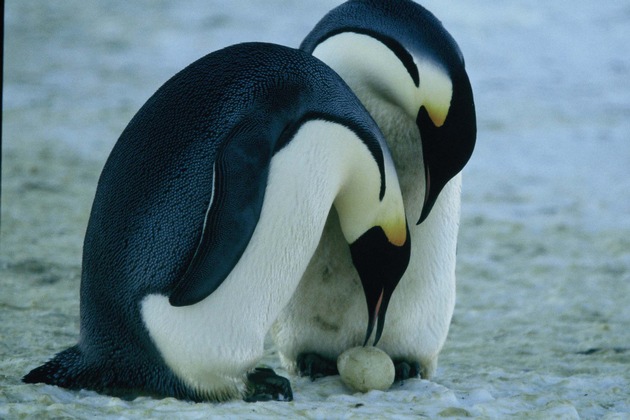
{"x":409,"y":73}
{"x":206,"y":214}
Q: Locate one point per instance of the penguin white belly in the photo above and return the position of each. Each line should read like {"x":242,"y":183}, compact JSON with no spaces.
{"x":212,"y":344}
{"x":422,"y":306}
{"x":327,"y":314}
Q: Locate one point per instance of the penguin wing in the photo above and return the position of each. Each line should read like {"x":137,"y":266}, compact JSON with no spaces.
{"x":240,"y":174}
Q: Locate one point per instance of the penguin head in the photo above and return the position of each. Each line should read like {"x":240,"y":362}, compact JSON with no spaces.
{"x":399,"y":53}
{"x":380,"y":263}
{"x":372,"y":219}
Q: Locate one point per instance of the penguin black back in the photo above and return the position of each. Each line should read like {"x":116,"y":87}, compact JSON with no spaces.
{"x":147,"y":232}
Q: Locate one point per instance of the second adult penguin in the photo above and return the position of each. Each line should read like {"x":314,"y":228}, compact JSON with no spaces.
{"x":206,"y":215}
{"x":409,"y":73}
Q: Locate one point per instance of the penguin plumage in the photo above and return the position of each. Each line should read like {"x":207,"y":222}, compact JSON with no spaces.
{"x":206,"y":214}
{"x":409,"y":73}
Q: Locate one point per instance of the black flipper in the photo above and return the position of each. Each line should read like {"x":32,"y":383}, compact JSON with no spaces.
{"x":239,"y":182}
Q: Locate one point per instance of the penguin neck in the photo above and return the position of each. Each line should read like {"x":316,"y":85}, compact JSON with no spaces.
{"x":387,"y":89}
{"x":404,"y":141}
{"x":382,"y":83}
{"x":364,"y":62}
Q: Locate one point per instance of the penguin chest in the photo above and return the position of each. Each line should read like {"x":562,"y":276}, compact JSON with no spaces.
{"x":222,"y":336}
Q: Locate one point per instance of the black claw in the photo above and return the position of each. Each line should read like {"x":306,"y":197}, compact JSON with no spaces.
{"x":315,"y":366}
{"x":406,"y":370}
{"x":402,"y":371}
{"x":266,"y":385}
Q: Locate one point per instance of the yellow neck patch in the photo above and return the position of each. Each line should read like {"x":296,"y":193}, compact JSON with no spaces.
{"x":396,"y":232}
{"x":436,"y":91}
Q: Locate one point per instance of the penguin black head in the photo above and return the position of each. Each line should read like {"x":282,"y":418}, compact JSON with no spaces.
{"x":401,"y":53}
{"x":380,"y":265}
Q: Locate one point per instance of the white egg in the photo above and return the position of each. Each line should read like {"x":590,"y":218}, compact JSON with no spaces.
{"x":366,"y":368}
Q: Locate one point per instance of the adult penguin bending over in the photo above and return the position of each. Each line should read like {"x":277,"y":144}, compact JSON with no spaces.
{"x":206,"y":214}
{"x":409,"y":73}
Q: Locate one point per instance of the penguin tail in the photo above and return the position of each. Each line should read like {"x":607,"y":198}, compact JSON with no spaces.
{"x":73,"y":369}
{"x":65,"y":370}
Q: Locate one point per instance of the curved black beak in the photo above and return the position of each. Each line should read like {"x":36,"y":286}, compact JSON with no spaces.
{"x":380,"y":265}
{"x":377,"y":313}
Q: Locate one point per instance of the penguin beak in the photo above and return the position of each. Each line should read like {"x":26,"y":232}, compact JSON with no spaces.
{"x":434,"y":187}
{"x":429,"y":199}
{"x":380,"y":265}
{"x":377,"y":308}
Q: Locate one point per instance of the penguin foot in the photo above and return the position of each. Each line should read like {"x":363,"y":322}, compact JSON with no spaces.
{"x":316,"y":366}
{"x":265,"y":385}
{"x":406,"y":370}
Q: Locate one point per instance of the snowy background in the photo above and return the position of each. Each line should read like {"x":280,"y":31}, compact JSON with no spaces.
{"x":542,"y":322}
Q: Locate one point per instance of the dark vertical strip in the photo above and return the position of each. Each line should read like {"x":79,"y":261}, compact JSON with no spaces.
{"x":1,"y":99}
